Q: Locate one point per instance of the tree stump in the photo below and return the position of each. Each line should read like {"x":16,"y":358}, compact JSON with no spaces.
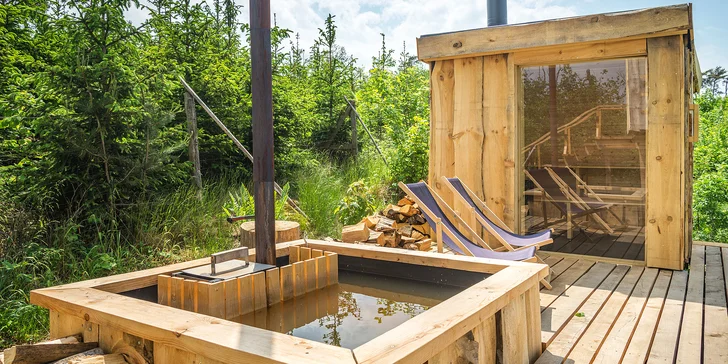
{"x":285,"y":231}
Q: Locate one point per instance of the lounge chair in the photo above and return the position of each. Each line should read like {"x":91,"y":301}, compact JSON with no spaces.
{"x":497,"y":228}
{"x":446,"y":232}
{"x":565,"y":199}
{"x":568,"y":177}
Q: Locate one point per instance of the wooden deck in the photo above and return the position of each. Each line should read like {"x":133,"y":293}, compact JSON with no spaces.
{"x":600,"y":312}
{"x":625,"y":243}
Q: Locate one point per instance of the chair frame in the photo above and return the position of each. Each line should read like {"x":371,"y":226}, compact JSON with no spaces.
{"x":441,"y":229}
{"x":486,"y":210}
{"x":566,"y":191}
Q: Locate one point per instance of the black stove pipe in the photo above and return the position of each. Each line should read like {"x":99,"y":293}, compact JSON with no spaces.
{"x":497,"y":12}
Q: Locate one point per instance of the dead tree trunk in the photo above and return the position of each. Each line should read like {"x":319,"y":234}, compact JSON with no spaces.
{"x":194,"y":150}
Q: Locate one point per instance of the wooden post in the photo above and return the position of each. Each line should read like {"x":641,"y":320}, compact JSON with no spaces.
{"x":513,"y":331}
{"x":194,"y":151}
{"x":262,"y":101}
{"x":354,"y":141}
{"x":664,"y":238}
{"x":553,"y":119}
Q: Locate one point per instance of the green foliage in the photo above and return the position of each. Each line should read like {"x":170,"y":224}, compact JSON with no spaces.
{"x":710,"y":170}
{"x":94,"y":170}
{"x":411,"y":157}
{"x":358,"y":201}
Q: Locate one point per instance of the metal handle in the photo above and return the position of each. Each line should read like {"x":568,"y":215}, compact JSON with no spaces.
{"x":237,"y":253}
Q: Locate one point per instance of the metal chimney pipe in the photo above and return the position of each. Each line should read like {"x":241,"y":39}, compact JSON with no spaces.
{"x":497,"y":12}
{"x":262,"y":100}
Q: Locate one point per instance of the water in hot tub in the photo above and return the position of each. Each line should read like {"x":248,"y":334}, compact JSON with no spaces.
{"x":358,"y":309}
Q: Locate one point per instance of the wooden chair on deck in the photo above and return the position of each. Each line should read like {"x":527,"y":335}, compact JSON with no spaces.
{"x":568,"y":201}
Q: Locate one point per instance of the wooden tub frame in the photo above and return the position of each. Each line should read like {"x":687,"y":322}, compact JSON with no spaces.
{"x":169,"y":335}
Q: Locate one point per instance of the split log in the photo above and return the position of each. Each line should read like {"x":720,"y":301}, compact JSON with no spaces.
{"x":405,"y":230}
{"x":100,"y":359}
{"x":405,"y":201}
{"x":44,"y":353}
{"x":391,"y":211}
{"x":92,"y":352}
{"x":408,"y":210}
{"x":392,"y":240}
{"x":376,"y":237}
{"x":417,"y":234}
{"x":417,"y":219}
{"x":424,"y":245}
{"x":353,"y":233}
{"x":407,"y":240}
{"x":371,"y":221}
{"x":385,"y":224}
{"x":285,"y":231}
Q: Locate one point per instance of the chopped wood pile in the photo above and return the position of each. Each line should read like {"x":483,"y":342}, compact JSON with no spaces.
{"x":67,"y":350}
{"x":396,"y":226}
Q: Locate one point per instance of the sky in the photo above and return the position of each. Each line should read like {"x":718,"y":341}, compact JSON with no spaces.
{"x":360,"y":22}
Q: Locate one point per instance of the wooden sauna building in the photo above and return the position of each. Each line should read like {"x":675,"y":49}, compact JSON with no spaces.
{"x":584,"y":125}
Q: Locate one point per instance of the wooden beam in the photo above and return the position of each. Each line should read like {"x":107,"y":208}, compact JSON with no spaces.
{"x":664,"y":238}
{"x":582,"y":52}
{"x":498,"y":152}
{"x":428,"y":333}
{"x":188,"y":331}
{"x":459,"y":262}
{"x":467,"y":135}
{"x":644,"y":23}
{"x":442,"y":119}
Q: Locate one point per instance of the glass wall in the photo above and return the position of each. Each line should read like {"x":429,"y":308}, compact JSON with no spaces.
{"x":583,"y":155}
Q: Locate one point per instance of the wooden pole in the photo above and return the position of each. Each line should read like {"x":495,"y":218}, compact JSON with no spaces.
{"x":353,"y":109}
{"x":262,"y":101}
{"x":194,"y":150}
{"x":552,"y":117}
{"x":354,"y":141}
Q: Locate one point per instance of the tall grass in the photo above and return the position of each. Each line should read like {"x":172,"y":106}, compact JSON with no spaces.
{"x":178,"y":226}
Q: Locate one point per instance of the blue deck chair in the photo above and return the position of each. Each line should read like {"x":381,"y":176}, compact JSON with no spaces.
{"x":430,"y":203}
{"x":510,"y":240}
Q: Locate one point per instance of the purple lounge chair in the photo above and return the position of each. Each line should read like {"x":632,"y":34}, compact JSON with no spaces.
{"x":507,"y":238}
{"x":429,"y":202}
{"x":451,"y":236}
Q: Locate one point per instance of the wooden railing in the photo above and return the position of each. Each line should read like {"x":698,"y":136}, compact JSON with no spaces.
{"x":566,"y":129}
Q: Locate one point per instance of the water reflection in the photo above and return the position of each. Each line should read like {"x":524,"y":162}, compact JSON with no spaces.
{"x":351,"y":313}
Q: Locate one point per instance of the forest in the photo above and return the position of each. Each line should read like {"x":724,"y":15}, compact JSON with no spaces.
{"x":95,"y":174}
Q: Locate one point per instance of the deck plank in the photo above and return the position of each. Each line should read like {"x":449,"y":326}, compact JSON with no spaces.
{"x":715,"y":333}
{"x":636,"y":247}
{"x":691,"y":332}
{"x":572,"y":331}
{"x":591,"y":341}
{"x":563,"y":282}
{"x":605,"y":244}
{"x":615,"y":343}
{"x":639,"y":345}
{"x":566,"y":305}
{"x":561,"y":267}
{"x":668,"y":329}
{"x":622,"y":244}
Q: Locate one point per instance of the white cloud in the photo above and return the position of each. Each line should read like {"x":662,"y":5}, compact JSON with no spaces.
{"x":360,"y":22}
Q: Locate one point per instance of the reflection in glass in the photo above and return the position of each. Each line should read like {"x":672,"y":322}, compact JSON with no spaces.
{"x":583,"y":154}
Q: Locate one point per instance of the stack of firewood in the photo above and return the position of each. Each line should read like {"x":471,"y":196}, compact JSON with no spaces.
{"x":396,"y":226}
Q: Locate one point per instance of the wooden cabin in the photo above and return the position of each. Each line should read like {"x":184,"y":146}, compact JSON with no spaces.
{"x":585,"y":125}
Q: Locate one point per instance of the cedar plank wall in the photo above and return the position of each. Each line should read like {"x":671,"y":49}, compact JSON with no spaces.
{"x":472,"y":103}
{"x":665,"y":239}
